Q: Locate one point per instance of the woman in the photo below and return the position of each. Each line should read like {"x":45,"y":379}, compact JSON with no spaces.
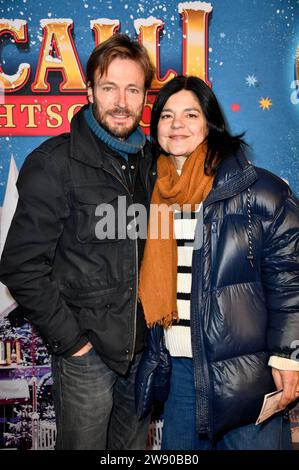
{"x":226,"y":285}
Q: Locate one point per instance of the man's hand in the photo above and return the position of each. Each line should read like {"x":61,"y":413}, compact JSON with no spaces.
{"x":288,"y":380}
{"x":86,"y":348}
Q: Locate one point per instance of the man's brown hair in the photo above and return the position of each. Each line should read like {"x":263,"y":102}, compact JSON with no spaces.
{"x":121,"y":46}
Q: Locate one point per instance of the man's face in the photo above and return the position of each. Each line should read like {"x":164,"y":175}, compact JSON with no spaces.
{"x":118,"y":97}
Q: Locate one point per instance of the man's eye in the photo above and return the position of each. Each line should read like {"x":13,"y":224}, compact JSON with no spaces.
{"x":134,"y":91}
{"x":107,"y":88}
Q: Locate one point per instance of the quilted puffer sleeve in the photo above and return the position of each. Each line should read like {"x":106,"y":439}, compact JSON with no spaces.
{"x":280,"y":274}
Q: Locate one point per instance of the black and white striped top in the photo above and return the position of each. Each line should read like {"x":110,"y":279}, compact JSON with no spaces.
{"x":178,"y":336}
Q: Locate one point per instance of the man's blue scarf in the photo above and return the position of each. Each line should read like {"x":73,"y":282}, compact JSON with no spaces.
{"x":133,"y":144}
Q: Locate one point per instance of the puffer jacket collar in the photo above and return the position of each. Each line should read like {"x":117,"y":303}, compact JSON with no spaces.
{"x":234,"y":175}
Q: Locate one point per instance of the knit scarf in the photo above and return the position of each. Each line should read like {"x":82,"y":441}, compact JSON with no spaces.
{"x":158,"y":275}
{"x":133,"y":144}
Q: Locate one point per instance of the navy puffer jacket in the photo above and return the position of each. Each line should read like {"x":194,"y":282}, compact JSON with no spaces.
{"x":245,"y":293}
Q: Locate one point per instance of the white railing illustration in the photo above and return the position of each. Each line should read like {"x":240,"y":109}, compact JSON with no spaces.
{"x":154,"y":437}
{"x":45,"y":435}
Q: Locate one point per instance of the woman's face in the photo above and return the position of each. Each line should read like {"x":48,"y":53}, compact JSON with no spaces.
{"x":182,"y":125}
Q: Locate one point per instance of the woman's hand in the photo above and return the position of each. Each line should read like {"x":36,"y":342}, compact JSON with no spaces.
{"x":288,"y":380}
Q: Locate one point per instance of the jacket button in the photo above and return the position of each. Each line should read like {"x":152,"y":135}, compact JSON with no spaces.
{"x":56,"y":344}
{"x":123,"y":167}
{"x":107,"y":305}
{"x":126,"y":351}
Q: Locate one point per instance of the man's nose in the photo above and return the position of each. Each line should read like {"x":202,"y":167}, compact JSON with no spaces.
{"x":122,"y":99}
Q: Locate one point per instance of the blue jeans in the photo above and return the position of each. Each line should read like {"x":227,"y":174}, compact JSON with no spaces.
{"x":179,"y":430}
{"x":94,"y":406}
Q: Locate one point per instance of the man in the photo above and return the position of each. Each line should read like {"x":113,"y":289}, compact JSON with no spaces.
{"x":76,"y":286}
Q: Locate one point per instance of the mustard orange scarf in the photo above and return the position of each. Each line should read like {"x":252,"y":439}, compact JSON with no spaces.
{"x":158,"y":275}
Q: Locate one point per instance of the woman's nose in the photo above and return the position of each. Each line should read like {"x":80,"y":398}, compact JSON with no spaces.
{"x":177,"y":122}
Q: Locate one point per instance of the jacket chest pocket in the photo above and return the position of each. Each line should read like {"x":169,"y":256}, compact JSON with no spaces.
{"x":100,"y":214}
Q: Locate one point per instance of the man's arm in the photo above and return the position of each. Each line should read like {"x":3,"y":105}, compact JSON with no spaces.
{"x":27,"y":258}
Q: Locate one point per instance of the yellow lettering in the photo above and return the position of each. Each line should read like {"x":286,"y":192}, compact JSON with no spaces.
{"x":31,"y":113}
{"x":103,"y":29}
{"x":53,"y":115}
{"x":297,"y":63}
{"x":57,"y":37}
{"x":8,"y":115}
{"x":146,"y":116}
{"x":149,"y":37}
{"x":18,"y":29}
{"x":72,"y":110}
{"x":195,"y":56}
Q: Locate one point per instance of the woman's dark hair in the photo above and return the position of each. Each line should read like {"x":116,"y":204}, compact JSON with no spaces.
{"x":220,"y":142}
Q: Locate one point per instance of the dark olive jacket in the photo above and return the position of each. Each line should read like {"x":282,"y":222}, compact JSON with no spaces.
{"x":72,"y":285}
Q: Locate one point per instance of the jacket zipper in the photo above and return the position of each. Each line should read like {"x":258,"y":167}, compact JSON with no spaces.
{"x":202,"y":378}
{"x":136,"y":265}
{"x":204,"y":418}
{"x":213,"y":247}
{"x":145,"y":180}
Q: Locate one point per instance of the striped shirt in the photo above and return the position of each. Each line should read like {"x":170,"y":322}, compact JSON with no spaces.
{"x":178,"y":336}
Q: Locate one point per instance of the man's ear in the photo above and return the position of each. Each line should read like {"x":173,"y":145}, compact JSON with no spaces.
{"x":90,"y":94}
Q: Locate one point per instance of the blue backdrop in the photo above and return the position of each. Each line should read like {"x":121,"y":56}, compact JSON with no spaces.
{"x":252,"y":48}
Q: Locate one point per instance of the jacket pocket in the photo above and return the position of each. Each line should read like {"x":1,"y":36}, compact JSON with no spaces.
{"x":97,"y":212}
{"x":89,"y":298}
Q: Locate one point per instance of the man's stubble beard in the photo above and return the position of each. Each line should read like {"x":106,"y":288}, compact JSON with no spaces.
{"x":117,"y":131}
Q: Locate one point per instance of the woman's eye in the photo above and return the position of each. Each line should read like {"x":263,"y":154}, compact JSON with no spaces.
{"x":165,"y":116}
{"x":191,"y":116}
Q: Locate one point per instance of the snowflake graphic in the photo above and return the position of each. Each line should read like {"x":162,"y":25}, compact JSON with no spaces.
{"x":251,"y":80}
{"x":265,"y":103}
{"x":222,"y":35}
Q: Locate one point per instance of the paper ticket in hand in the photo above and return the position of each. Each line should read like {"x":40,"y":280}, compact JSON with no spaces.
{"x":270,"y":406}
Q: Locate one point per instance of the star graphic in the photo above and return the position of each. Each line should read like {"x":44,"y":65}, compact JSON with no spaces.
{"x":235,"y":107}
{"x":265,"y":103}
{"x":251,"y":80}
